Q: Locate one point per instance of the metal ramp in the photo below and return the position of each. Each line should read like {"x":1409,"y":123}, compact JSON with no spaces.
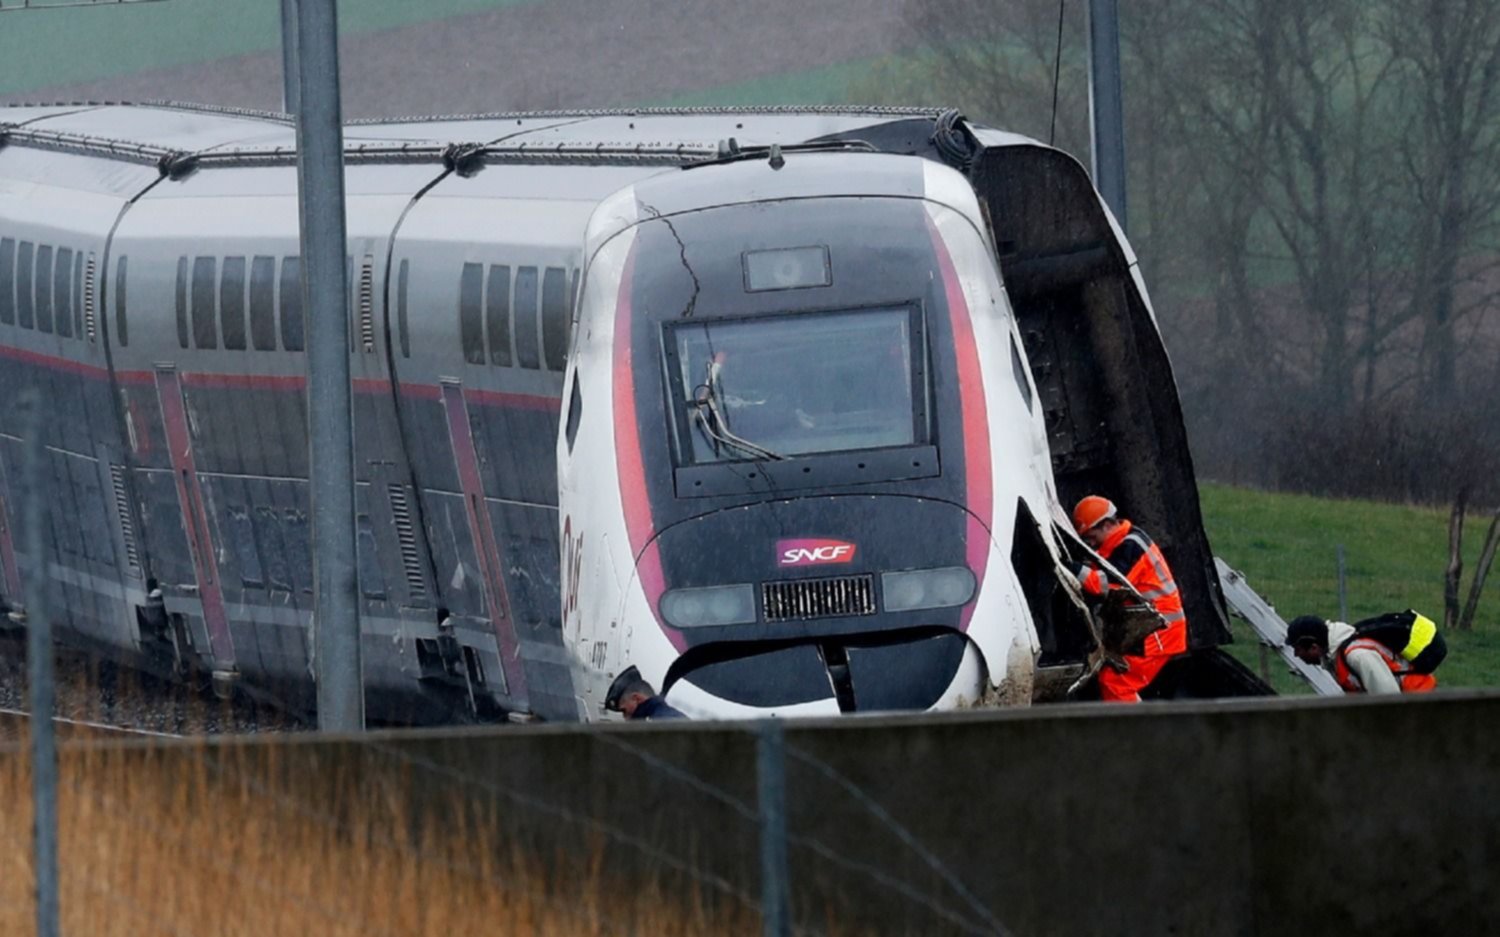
{"x":1269,"y":626}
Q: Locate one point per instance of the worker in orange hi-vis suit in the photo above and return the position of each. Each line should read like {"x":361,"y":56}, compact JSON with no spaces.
{"x":1129,"y":550}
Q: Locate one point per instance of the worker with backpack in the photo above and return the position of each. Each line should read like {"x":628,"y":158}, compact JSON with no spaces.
{"x":1392,"y":653}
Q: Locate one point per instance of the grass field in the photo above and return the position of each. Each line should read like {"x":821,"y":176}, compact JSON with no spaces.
{"x":1395,"y":555}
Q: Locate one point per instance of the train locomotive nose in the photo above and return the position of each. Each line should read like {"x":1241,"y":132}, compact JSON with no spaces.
{"x":871,"y":613}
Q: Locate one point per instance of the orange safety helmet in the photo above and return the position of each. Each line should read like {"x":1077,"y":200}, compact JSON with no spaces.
{"x":1092,"y":511}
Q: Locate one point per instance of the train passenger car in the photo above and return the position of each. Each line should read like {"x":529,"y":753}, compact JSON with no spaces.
{"x":150,"y":288}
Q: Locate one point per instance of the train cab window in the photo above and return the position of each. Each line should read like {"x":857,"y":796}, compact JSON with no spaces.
{"x":497,"y":315}
{"x":44,"y":288}
{"x":403,"y":329}
{"x":1018,"y":367}
{"x":263,"y":303}
{"x":122,"y":331}
{"x":205,"y":329}
{"x":528,"y":344}
{"x":470,"y":299}
{"x":62,"y":292}
{"x":8,"y":281}
{"x":291,"y":304}
{"x":25,"y":299}
{"x":798,"y":384}
{"x":555,"y":318}
{"x":182,"y":301}
{"x":232,"y":303}
{"x":575,"y":410}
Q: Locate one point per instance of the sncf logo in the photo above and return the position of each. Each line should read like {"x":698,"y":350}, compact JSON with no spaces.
{"x":813,"y":552}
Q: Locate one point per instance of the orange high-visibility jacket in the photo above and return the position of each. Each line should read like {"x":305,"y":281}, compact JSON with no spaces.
{"x":1411,"y":682}
{"x":1133,"y":553}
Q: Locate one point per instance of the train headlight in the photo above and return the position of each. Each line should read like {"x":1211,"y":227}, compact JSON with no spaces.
{"x":714,"y":605}
{"x":915,"y":589}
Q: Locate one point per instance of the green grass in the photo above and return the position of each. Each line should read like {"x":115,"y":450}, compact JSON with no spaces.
{"x":1394,"y":555}
{"x":41,"y":47}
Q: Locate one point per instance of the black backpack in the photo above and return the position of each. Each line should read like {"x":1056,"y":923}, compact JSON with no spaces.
{"x":1412,"y":637}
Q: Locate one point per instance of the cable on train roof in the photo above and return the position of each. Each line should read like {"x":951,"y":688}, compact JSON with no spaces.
{"x":952,"y":140}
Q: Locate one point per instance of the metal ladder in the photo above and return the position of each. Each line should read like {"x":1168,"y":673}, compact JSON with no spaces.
{"x":1269,"y":626}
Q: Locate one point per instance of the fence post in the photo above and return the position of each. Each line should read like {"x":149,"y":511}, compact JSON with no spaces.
{"x":771,"y":787}
{"x":40,"y":686}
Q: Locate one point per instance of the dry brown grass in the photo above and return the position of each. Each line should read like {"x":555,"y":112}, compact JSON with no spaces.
{"x":205,"y":844}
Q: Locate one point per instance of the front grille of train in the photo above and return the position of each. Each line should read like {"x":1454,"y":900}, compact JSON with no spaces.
{"x":801,"y":599}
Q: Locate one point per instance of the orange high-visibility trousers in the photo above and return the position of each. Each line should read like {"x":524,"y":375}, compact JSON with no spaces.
{"x":1161,"y":646}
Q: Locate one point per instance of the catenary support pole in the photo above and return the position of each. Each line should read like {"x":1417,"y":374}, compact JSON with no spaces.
{"x":771,"y":785}
{"x":325,"y":296}
{"x":289,"y":76}
{"x":1107,"y":114}
{"x":41,"y":688}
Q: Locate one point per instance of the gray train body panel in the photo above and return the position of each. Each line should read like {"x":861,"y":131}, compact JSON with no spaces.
{"x":149,"y":288}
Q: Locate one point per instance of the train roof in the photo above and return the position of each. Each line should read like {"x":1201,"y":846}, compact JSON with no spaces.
{"x":180,"y":137}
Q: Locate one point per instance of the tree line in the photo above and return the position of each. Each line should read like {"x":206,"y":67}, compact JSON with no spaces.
{"x":1314,"y":193}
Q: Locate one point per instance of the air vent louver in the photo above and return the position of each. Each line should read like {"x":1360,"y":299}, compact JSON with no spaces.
{"x":802,"y":599}
{"x":406,"y":535}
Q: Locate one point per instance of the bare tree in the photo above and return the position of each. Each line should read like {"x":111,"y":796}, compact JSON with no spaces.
{"x":1448,"y":54}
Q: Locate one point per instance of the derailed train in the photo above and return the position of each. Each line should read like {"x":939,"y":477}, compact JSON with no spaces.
{"x":808,"y":386}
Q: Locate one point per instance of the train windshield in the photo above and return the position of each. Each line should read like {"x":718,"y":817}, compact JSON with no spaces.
{"x":780,"y":386}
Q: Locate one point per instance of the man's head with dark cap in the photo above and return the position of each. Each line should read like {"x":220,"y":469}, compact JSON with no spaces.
{"x":628,"y":691}
{"x":1307,"y":635}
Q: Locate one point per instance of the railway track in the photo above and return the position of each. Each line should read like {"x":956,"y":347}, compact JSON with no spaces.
{"x":14,"y":722}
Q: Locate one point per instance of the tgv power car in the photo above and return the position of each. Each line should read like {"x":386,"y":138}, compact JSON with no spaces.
{"x":809,"y":421}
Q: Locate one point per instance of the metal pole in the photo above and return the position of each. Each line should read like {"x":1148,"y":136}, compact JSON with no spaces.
{"x":40,"y":676}
{"x":770,"y":752}
{"x":289,"y":87}
{"x":1107,"y":124}
{"x":325,"y":296}
{"x":1343,"y":592}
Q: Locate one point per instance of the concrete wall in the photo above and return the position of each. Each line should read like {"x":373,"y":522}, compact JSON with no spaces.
{"x":1276,"y":817}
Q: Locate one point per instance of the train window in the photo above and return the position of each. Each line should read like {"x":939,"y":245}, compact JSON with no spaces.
{"x":402,"y":329}
{"x":62,"y":292}
{"x":25,"y":300}
{"x":263,"y":303}
{"x":555,"y":318}
{"x":268,"y":531}
{"x":182,"y":317}
{"x":575,"y":410}
{"x":470,"y":328}
{"x":120,"y":325}
{"x":1018,"y":367}
{"x":295,"y":535}
{"x":8,"y":281}
{"x":205,"y":329}
{"x":244,"y":548}
{"x":770,"y":385}
{"x":371,"y":582}
{"x":232,"y":303}
{"x":497,"y":315}
{"x":291,"y":304}
{"x":44,"y":288}
{"x":528,"y":351}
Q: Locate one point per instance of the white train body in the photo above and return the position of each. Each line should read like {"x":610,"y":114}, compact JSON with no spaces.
{"x":811,"y":547}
